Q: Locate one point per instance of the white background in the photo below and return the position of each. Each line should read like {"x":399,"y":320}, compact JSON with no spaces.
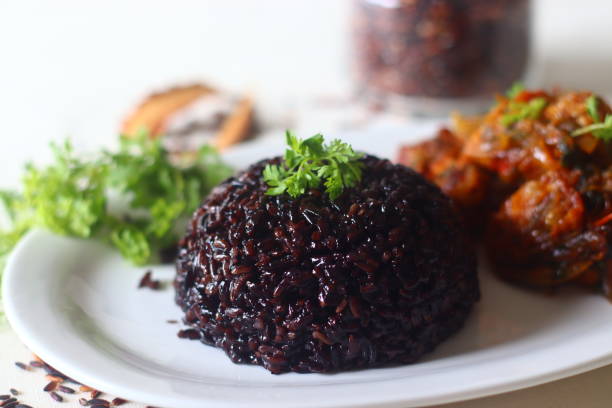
{"x":75,"y":67}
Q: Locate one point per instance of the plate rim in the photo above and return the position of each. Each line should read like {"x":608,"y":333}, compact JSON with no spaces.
{"x":23,"y":329}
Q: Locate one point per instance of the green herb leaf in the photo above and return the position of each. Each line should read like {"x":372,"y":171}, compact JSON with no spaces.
{"x":602,"y":130}
{"x":70,"y":196}
{"x":591,"y":107}
{"x":132,"y":243}
{"x":67,"y":197}
{"x":523,"y":110}
{"x":309,"y":163}
{"x":515,"y":89}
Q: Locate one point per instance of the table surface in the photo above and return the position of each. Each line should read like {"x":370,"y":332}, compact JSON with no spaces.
{"x":73,"y":68}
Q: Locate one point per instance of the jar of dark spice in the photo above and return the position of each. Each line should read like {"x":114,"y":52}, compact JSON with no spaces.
{"x":432,"y":56}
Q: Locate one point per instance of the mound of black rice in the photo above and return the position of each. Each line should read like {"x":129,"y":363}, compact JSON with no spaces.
{"x":378,"y":277}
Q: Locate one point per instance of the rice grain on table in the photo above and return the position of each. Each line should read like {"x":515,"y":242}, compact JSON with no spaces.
{"x":36,"y":364}
{"x":50,"y":387}
{"x":65,"y":389}
{"x":99,"y":401}
{"x":56,"y":396}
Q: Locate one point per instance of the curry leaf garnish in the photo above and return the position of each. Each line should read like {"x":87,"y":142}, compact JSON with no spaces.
{"x":523,"y":110}
{"x":310,"y":163}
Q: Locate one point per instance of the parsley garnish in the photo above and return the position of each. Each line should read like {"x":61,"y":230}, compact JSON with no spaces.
{"x":599,"y":129}
{"x":309,"y":163}
{"x":523,"y":110}
{"x":71,"y":196}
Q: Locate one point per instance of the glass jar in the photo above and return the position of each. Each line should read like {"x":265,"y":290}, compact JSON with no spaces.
{"x":433,"y":56}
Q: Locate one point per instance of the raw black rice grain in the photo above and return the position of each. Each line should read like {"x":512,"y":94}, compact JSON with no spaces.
{"x":50,"y":387}
{"x":118,"y":401}
{"x":172,"y":321}
{"x":99,"y":401}
{"x":54,"y":379}
{"x":36,"y":364}
{"x":8,"y":401}
{"x":56,"y":396}
{"x":12,"y":404}
{"x":65,"y":389}
{"x":22,"y":406}
{"x":148,"y":282}
{"x":99,"y":406}
{"x":4,"y":397}
{"x":83,"y":402}
{"x":21,"y":365}
{"x":95,"y":394}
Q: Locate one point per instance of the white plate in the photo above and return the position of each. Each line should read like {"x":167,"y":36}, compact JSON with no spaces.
{"x":75,"y":304}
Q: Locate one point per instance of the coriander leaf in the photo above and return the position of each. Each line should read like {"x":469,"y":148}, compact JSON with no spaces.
{"x":591,"y":107}
{"x":310,"y":163}
{"x":66,"y":197}
{"x":515,"y":89}
{"x":70,"y":196}
{"x":164,"y":216}
{"x":602,"y":130}
{"x":132,"y":243}
{"x":10,"y":201}
{"x":523,"y":110}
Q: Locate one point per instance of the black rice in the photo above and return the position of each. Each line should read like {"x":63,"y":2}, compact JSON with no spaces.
{"x":378,"y":277}
{"x":21,"y":365}
{"x":7,"y":402}
{"x":118,"y":401}
{"x":65,"y":389}
{"x":148,"y":282}
{"x":99,"y":401}
{"x":51,"y":386}
{"x":56,"y":396}
{"x":36,"y":364}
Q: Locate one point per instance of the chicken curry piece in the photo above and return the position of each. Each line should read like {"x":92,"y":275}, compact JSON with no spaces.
{"x":533,"y":179}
